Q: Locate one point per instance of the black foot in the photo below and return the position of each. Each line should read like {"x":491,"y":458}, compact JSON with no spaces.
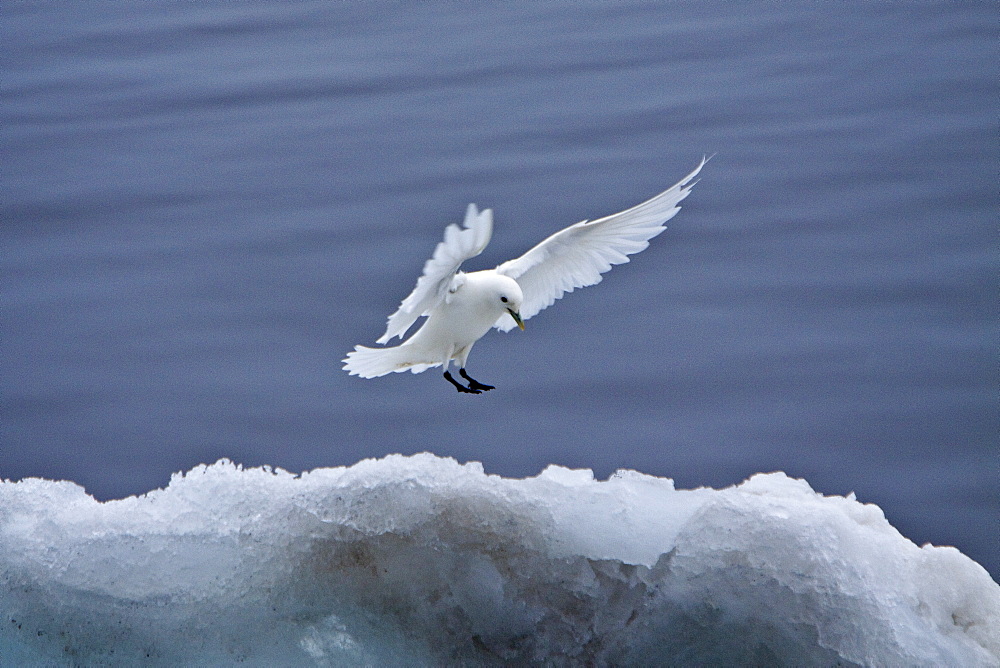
{"x":459,"y":386}
{"x":475,"y":384}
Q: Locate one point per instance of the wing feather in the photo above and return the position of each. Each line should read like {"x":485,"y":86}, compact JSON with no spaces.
{"x":577,"y":256}
{"x":459,"y":245}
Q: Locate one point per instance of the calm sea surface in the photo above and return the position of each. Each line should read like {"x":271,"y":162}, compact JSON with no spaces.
{"x":206,"y":205}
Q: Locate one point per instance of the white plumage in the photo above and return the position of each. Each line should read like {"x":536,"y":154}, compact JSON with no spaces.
{"x":461,"y":307}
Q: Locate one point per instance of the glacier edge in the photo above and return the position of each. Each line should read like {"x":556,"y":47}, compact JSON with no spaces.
{"x":423,"y":560}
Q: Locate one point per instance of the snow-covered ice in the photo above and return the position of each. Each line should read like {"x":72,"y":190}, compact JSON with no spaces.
{"x":423,"y":561}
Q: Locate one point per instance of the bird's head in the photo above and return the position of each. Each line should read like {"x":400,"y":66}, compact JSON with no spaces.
{"x":507,"y":298}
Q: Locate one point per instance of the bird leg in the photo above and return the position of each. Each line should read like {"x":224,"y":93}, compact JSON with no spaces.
{"x":475,"y":384}
{"x":459,"y":386}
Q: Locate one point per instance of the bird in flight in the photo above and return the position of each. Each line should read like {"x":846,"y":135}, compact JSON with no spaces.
{"x":461,"y":307}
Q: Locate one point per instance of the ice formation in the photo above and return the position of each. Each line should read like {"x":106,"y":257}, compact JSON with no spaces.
{"x":423,"y":561}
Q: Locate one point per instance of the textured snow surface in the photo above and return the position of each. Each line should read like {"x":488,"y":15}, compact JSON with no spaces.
{"x":423,"y":561}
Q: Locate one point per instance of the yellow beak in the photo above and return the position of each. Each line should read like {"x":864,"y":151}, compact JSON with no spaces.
{"x":517,"y":318}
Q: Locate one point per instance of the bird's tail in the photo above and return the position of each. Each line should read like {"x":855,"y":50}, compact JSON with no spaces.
{"x":375,"y":362}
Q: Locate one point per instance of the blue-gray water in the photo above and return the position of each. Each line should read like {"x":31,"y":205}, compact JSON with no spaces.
{"x":206,"y":205}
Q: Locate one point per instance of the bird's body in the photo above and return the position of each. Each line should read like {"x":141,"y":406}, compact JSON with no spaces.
{"x":451,"y":328}
{"x":462,"y":307}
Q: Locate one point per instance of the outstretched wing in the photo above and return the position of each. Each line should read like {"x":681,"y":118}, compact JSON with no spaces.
{"x":577,"y":256}
{"x":458,"y":246}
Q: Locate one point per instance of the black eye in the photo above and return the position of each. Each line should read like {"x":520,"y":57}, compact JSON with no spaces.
{"x":503,"y":299}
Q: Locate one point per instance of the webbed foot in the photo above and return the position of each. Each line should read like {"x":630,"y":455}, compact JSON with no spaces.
{"x":459,"y":386}
{"x":475,"y":384}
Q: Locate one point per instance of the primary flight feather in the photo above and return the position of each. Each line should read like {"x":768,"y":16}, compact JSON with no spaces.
{"x":461,"y":307}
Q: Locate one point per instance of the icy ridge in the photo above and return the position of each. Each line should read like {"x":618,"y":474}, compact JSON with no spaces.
{"x":422,"y":560}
